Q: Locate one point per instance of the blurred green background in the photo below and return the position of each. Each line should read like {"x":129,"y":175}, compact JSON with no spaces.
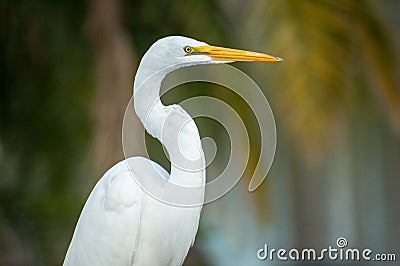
{"x":66,"y":75}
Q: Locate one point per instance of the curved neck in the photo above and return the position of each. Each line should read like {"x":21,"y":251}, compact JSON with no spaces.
{"x":173,"y":127}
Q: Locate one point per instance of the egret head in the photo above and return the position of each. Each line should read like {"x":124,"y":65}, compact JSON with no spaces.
{"x":173,"y":52}
{"x":178,"y":51}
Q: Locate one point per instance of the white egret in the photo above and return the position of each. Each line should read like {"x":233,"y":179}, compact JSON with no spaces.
{"x":120,"y":223}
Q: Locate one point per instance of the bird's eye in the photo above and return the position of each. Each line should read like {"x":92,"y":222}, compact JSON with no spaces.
{"x":188,"y":49}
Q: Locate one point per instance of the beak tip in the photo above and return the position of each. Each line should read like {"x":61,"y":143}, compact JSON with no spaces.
{"x":280,"y":59}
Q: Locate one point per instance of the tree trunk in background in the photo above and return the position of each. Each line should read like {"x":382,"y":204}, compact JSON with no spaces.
{"x":115,"y":64}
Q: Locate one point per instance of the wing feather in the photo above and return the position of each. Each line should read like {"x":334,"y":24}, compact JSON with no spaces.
{"x":108,"y":228}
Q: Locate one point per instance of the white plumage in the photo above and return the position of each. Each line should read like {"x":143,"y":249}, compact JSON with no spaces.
{"x":122,"y":224}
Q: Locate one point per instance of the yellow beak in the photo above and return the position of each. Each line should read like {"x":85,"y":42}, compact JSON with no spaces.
{"x":232,"y":55}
